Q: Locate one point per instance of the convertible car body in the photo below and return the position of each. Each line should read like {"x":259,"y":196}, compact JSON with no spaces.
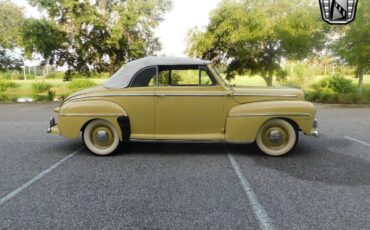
{"x":183,"y":99}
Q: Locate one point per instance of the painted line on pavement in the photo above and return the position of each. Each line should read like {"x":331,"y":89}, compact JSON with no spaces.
{"x":36,"y":178}
{"x":358,"y":141}
{"x":263,"y":218}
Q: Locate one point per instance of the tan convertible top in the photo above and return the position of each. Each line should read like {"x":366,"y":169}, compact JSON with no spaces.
{"x":122,"y":78}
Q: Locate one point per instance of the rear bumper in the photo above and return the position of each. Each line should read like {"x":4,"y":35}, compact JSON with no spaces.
{"x":53,"y":127}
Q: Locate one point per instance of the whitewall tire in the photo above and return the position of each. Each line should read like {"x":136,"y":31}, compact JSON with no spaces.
{"x":100,"y":137}
{"x":277,"y":137}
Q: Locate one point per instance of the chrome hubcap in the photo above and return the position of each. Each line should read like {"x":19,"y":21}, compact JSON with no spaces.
{"x":275,"y":136}
{"x":102,"y":136}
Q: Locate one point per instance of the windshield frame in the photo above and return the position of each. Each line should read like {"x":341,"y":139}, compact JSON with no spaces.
{"x":217,"y":73}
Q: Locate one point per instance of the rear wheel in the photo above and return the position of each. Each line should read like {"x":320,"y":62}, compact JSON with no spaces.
{"x":100,"y":137}
{"x":277,"y":137}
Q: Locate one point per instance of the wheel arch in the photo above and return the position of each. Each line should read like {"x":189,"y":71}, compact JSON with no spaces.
{"x":74,"y":116}
{"x":244,"y":121}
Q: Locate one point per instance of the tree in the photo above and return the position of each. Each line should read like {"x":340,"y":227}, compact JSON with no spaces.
{"x":8,"y":61}
{"x":96,"y":35}
{"x":11,"y":18}
{"x":354,"y":45}
{"x":255,"y":36}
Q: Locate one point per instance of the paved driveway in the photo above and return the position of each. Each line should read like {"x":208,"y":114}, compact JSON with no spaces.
{"x":50,"y":182}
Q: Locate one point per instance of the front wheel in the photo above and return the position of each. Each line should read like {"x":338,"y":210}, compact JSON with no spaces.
{"x":100,"y":137}
{"x":277,"y":137}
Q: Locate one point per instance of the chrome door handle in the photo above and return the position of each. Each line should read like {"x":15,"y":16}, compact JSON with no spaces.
{"x":161,"y":95}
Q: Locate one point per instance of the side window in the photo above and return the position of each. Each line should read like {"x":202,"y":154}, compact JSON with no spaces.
{"x":189,"y":77}
{"x":185,"y":76}
{"x":205,"y":78}
{"x":145,"y":78}
{"x":164,"y":77}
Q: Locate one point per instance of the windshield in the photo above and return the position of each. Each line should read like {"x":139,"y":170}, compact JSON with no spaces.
{"x":215,"y":71}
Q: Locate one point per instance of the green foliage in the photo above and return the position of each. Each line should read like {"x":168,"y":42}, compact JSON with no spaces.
{"x":100,"y":75}
{"x":14,"y":75}
{"x":301,"y":74}
{"x":253,"y":36}
{"x":354,"y":46}
{"x":80,"y":84}
{"x":69,"y":75}
{"x":351,"y":98}
{"x":45,"y":37}
{"x":8,"y":98}
{"x":41,"y":87}
{"x":50,"y":95}
{"x":334,"y":90}
{"x":8,"y":61}
{"x":337,"y":84}
{"x":55,"y":75}
{"x":94,"y":35}
{"x":11,"y":18}
{"x":6,"y":84}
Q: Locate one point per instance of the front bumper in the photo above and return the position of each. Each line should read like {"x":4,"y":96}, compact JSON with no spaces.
{"x":53,"y":127}
{"x":315,"y":130}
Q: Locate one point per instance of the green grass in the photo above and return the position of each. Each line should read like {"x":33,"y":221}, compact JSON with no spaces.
{"x":257,"y":81}
{"x":58,"y":85}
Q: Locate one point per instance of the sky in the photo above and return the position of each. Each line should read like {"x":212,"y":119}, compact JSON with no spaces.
{"x":185,"y":14}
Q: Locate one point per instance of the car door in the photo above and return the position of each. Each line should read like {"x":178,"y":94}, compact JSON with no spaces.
{"x":188,"y":104}
{"x":138,"y":101}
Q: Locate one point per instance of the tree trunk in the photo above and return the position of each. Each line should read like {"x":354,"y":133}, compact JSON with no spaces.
{"x":268,"y":80}
{"x":333,"y":71}
{"x":24,"y":73}
{"x":112,"y":66}
{"x":360,"y":81}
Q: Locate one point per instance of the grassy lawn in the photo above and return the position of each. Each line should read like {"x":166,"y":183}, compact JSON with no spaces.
{"x":58,"y":85}
{"x":245,"y":81}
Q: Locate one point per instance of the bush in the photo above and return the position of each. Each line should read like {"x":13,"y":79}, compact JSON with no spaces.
{"x":80,"y":84}
{"x":6,"y":84}
{"x":322,"y":94}
{"x":99,"y":75}
{"x":41,"y":87}
{"x":48,"y":97}
{"x":70,"y":75}
{"x":338,"y":84}
{"x":300,"y":75}
{"x":7,"y":75}
{"x":55,"y":75}
{"x":351,"y":98}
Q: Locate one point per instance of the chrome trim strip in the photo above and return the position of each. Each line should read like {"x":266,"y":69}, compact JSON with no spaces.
{"x":161,"y":95}
{"x":191,"y":95}
{"x":189,"y":141}
{"x":264,"y":95}
{"x":182,"y":95}
{"x":270,"y":115}
{"x":89,"y":115}
{"x":177,"y":141}
{"x":118,"y":95}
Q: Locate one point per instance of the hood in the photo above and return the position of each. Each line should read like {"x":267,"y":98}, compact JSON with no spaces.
{"x":86,"y":91}
{"x":246,"y":95}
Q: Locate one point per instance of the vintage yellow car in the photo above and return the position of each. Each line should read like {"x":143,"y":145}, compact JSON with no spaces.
{"x":183,"y":99}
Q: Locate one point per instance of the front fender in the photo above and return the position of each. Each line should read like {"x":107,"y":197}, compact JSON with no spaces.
{"x":244,"y":121}
{"x":74,"y":115}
